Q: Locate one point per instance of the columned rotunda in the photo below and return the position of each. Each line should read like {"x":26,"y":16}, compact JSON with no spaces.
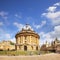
{"x":27,"y":39}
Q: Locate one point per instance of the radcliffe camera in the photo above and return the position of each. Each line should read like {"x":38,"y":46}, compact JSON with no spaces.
{"x":29,"y":30}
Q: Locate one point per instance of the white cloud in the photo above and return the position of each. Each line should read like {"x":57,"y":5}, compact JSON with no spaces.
{"x":18,"y":25}
{"x":13,"y":40}
{"x":40,"y":25}
{"x":50,"y":36}
{"x":52,"y":9}
{"x":36,"y":26}
{"x":3,"y":14}
{"x":4,"y":35}
{"x":53,"y":14}
{"x":18,"y":16}
{"x":7,"y":35}
{"x":1,"y":24}
{"x":56,"y":32}
{"x":43,"y":23}
{"x":57,"y":28}
{"x":45,"y":37}
{"x":29,"y":18}
{"x":57,"y":4}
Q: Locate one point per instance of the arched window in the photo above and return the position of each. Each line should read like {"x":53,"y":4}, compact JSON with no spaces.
{"x":36,"y":47}
{"x":25,"y":48}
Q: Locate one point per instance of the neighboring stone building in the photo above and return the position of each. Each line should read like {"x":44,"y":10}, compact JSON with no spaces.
{"x":54,"y":46}
{"x":27,"y":39}
{"x":6,"y":45}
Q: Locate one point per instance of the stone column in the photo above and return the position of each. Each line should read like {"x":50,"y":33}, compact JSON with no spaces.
{"x":34,"y":39}
{"x":23,"y":39}
{"x":17,"y":47}
{"x":18,"y":40}
{"x":30,"y":39}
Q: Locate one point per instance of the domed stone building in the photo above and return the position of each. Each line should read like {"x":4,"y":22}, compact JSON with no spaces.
{"x":27,"y":39}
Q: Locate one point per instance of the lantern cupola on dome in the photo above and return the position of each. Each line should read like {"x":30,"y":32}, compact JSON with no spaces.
{"x":27,"y":27}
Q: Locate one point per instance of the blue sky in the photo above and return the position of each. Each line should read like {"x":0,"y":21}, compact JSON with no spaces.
{"x":43,"y":16}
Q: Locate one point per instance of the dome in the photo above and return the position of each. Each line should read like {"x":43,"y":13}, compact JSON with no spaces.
{"x":27,"y":27}
{"x":27,"y":30}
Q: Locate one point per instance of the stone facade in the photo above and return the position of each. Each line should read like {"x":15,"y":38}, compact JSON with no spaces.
{"x":6,"y":45}
{"x":27,"y":39}
{"x":54,"y":46}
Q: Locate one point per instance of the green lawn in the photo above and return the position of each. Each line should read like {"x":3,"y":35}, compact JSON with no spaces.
{"x":19,"y":52}
{"x":16,"y":53}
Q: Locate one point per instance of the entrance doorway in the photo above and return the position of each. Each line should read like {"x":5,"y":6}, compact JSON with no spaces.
{"x":37,"y":48}
{"x":25,"y":48}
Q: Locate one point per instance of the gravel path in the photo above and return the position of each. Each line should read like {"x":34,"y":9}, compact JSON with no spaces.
{"x":51,"y":56}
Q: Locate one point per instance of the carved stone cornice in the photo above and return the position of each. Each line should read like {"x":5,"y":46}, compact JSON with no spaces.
{"x":26,"y":33}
